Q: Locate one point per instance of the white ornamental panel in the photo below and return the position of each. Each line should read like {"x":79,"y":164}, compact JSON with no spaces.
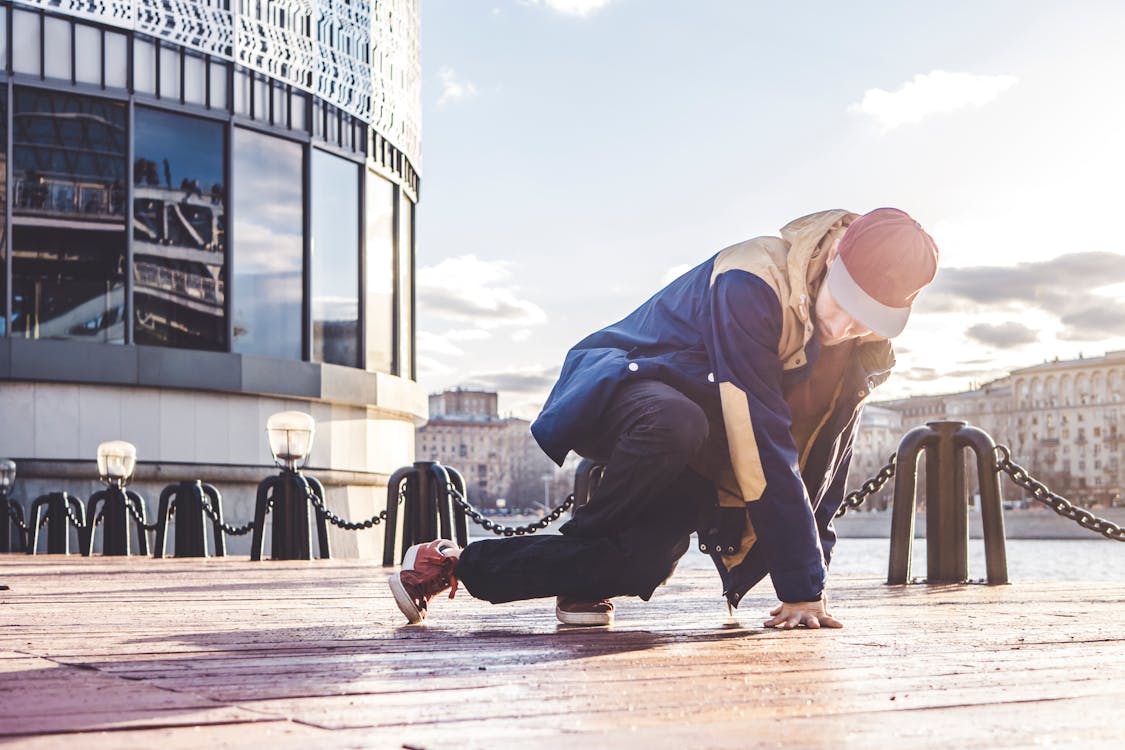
{"x":362,"y":56}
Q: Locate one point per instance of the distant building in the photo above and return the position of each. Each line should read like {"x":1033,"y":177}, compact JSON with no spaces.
{"x":497,"y":455}
{"x":880,"y":430}
{"x":1063,"y":420}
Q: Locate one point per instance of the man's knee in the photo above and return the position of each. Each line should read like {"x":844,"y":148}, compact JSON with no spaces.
{"x":679,"y":425}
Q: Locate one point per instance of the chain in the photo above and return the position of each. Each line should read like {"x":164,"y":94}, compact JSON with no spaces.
{"x":335,"y":520}
{"x":70,"y":514}
{"x":501,"y":530}
{"x":18,"y":518}
{"x":242,"y":530}
{"x":136,"y":514}
{"x":1084,"y":518}
{"x":855,"y":498}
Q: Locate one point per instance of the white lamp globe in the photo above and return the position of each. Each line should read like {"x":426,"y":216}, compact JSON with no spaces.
{"x":116,"y":461}
{"x":291,"y":437}
{"x":7,"y":474}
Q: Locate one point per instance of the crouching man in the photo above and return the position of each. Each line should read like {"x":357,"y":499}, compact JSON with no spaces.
{"x":726,"y":404}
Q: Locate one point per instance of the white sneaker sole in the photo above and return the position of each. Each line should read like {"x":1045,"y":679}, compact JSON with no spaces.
{"x":403,"y":600}
{"x":586,"y":619}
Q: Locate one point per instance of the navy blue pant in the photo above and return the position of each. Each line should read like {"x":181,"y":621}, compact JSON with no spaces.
{"x":628,"y":538}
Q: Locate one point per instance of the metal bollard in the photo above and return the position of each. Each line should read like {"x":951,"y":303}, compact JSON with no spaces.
{"x":947,"y":509}
{"x":587,"y":477}
{"x":115,"y":513}
{"x":429,"y":511}
{"x":286,"y":496}
{"x":187,"y":502}
{"x":11,"y":518}
{"x":52,"y":510}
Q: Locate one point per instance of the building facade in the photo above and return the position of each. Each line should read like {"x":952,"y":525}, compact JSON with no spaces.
{"x":209,"y":212}
{"x":1063,"y":420}
{"x":498,"y":456}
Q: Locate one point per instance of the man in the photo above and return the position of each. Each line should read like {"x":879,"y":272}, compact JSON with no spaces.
{"x":725,"y":404}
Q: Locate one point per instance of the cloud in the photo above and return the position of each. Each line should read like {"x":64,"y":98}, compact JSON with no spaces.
{"x":1101,"y":320}
{"x":528,"y":381}
{"x":1003,"y":335}
{"x":936,"y":92}
{"x":453,"y":88}
{"x":469,"y":289}
{"x":582,"y":8}
{"x":448,"y":343}
{"x":1062,"y":285}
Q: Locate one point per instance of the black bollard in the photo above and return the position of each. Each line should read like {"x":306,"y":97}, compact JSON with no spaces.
{"x":286,"y":497}
{"x":51,"y":509}
{"x":116,"y":503}
{"x":428,"y":507}
{"x":11,"y":516}
{"x":187,"y":503}
{"x":947,"y":510}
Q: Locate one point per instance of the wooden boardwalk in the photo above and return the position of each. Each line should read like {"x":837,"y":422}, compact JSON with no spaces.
{"x":124,"y":653}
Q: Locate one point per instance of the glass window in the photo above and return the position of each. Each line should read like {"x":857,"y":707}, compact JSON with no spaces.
{"x":379,"y":272}
{"x":195,"y":79}
{"x":218,"y":85}
{"x":261,"y":98}
{"x":241,"y":93}
{"x":25,"y":42}
{"x":280,"y":99}
{"x":268,"y":245}
{"x":169,"y":72}
{"x":405,"y":286}
{"x":335,"y":260}
{"x":116,"y":60}
{"x":144,"y":67}
{"x":3,"y":46}
{"x":87,"y":55}
{"x":179,"y":231}
{"x":3,"y":208}
{"x":68,"y":216}
{"x":297,"y":110}
{"x":56,"y":37}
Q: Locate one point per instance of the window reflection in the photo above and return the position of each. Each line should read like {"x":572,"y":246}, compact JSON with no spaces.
{"x":68,"y":216}
{"x":3,"y":209}
{"x":405,"y":286}
{"x":268,"y":245}
{"x":379,"y":272}
{"x":179,"y":231}
{"x":335,"y":260}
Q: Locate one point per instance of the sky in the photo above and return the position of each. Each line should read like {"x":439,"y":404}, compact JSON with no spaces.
{"x":579,"y":154}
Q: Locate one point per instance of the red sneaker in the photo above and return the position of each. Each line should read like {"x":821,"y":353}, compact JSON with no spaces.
{"x":427,"y":570}
{"x":571,"y":611}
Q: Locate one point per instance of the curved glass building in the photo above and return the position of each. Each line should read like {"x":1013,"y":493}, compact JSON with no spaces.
{"x":208,"y":216}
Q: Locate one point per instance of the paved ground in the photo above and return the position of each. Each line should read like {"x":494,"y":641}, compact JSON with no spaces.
{"x":123,"y":653}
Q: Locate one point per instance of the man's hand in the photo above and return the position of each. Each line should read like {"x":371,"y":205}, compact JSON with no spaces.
{"x":789,"y":615}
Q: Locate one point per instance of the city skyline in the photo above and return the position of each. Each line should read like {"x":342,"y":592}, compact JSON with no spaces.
{"x":579,"y":154}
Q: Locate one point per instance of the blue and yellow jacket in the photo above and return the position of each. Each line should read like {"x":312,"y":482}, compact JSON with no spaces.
{"x":731,"y":334}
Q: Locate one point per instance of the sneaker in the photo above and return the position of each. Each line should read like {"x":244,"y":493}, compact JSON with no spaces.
{"x":427,"y":570}
{"x":571,"y":611}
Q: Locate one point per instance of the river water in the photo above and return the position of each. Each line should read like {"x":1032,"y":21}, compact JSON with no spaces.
{"x":1093,"y":559}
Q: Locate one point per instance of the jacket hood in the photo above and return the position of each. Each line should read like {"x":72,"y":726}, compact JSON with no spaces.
{"x":811,"y":239}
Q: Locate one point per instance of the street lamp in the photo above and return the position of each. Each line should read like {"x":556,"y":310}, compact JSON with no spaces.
{"x":117,"y":460}
{"x":290,"y":494}
{"x":291,"y":437}
{"x":7,"y":475}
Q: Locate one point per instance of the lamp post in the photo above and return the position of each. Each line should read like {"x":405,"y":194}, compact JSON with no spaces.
{"x":290,"y":494}
{"x":117,"y":460}
{"x":9,"y":509}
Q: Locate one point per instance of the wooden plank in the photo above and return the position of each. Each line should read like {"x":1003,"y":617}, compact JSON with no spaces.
{"x":188,"y":653}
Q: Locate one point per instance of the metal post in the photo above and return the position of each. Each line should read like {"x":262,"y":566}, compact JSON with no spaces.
{"x":292,"y":531}
{"x":426,"y":507}
{"x":947,"y":508}
{"x":394,"y":487}
{"x":5,"y":522}
{"x":191,"y":524}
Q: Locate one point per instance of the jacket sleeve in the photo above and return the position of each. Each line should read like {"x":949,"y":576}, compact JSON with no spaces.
{"x":745,"y":329}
